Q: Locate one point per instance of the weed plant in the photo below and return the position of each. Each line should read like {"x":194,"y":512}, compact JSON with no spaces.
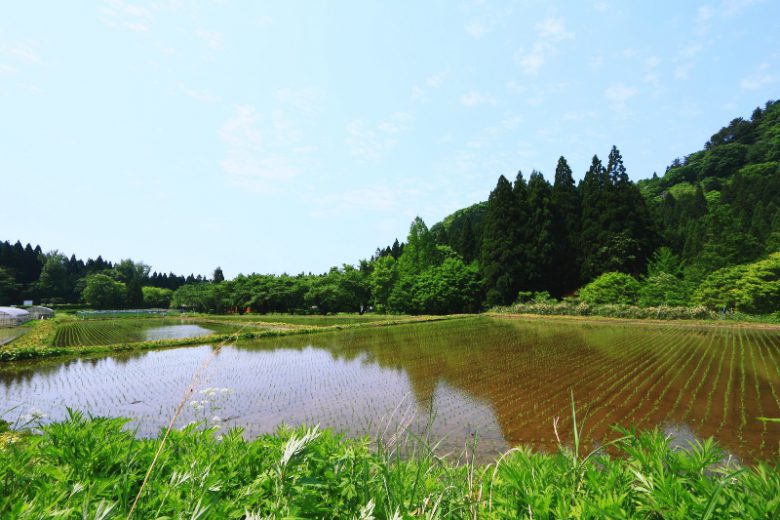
{"x":88,"y":467}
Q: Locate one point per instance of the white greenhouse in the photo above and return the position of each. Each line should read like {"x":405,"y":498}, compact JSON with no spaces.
{"x":11,"y":316}
{"x":39,"y":312}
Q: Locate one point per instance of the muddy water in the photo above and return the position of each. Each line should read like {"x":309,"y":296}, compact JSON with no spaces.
{"x":503,"y":380}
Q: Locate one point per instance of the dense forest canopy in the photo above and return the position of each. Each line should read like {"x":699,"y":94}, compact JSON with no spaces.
{"x":704,"y":233}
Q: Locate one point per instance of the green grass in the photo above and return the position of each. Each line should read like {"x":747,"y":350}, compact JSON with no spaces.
{"x":94,"y":468}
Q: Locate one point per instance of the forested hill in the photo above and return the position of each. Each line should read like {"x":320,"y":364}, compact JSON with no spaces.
{"x":720,"y":206}
{"x":714,"y":208}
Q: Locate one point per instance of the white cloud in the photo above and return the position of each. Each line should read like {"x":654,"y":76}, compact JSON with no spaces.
{"x":682,"y":71}
{"x":377,"y":198}
{"x":515,"y":86}
{"x":600,"y":6}
{"x":704,"y":13}
{"x":579,"y":115}
{"x":262,"y":160}
{"x":652,"y":62}
{"x":433,"y":81}
{"x":200,"y":95}
{"x":734,"y":7}
{"x":23,"y":52}
{"x":420,"y":92}
{"x":264,"y":21}
{"x":303,"y":99}
{"x":549,"y":32}
{"x":533,"y":60}
{"x":474,"y":99}
{"x":477,"y":29}
{"x":117,"y":13}
{"x":213,"y":39}
{"x":691,"y":50}
{"x":620,"y":93}
{"x":761,"y":78}
{"x":370,"y":142}
{"x":553,"y":29}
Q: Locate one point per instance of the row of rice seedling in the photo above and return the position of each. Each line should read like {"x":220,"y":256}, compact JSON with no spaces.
{"x":547,"y":404}
{"x":767,"y":366}
{"x":611,"y":381}
{"x":729,"y":382}
{"x":713,"y":387}
{"x":695,"y":375}
{"x":669,"y":377}
{"x":660,"y":356}
{"x":758,"y":398}
{"x":742,"y":388}
{"x":604,"y":372}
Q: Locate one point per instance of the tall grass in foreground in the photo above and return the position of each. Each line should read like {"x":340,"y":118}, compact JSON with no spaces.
{"x":93,"y":468}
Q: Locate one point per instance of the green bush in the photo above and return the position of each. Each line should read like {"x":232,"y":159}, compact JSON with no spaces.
{"x":613,"y":287}
{"x":663,"y":289}
{"x":752,"y":288}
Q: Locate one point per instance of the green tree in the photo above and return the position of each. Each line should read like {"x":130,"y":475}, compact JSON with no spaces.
{"x":539,"y":243}
{"x":218,"y":276}
{"x":664,"y":288}
{"x":134,"y":275}
{"x":157,"y":297}
{"x":753,"y":288}
{"x":566,"y":230}
{"x":201,"y":297}
{"x":382,"y":280}
{"x":500,"y":242}
{"x":419,"y":252}
{"x":54,"y":284}
{"x":451,"y":287}
{"x":8,"y":287}
{"x":103,"y":292}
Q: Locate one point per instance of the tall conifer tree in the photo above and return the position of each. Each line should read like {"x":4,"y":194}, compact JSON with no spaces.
{"x":566,"y":225}
{"x":499,"y":243}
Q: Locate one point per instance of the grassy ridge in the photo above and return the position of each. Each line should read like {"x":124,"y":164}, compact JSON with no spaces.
{"x":93,"y":468}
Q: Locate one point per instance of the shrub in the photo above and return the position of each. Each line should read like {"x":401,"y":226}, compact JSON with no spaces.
{"x":613,"y":287}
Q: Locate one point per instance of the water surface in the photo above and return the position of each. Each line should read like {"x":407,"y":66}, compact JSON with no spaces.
{"x":503,"y":380}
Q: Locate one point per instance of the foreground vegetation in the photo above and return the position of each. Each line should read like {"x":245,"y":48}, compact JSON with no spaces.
{"x":93,"y":468}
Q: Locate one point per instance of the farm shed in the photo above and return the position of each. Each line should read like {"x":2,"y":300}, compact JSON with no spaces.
{"x":11,"y":316}
{"x":40,"y":312}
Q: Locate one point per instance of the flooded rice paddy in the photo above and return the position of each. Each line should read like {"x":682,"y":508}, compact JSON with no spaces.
{"x":106,"y":332}
{"x":504,"y":380}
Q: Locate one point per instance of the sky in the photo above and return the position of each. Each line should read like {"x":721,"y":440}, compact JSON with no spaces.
{"x":293,"y":136}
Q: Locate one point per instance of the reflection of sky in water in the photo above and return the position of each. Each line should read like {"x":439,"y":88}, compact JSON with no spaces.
{"x":504,"y":381}
{"x":175,"y":332}
{"x":309,"y":386}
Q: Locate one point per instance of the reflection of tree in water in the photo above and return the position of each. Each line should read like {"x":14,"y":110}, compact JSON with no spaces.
{"x":16,"y":372}
{"x":525,"y":370}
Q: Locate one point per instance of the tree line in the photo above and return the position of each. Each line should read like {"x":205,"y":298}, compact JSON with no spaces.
{"x":27,"y":273}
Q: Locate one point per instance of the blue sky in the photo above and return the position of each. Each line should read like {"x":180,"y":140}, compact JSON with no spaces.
{"x":293,"y":136}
